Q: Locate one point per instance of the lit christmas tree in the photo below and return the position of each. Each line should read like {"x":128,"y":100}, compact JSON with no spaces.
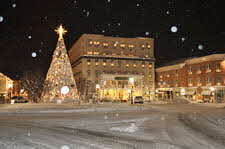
{"x":60,"y":85}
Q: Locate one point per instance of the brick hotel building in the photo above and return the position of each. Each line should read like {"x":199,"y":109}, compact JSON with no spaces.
{"x":119,"y":68}
{"x":197,"y":78}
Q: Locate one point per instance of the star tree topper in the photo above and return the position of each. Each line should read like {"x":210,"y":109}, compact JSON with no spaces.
{"x":61,"y":31}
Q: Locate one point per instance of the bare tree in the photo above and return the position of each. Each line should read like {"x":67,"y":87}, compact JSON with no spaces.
{"x":86,"y":89}
{"x":32,"y":83}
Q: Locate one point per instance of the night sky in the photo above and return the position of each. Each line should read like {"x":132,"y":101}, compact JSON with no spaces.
{"x":28,"y":26}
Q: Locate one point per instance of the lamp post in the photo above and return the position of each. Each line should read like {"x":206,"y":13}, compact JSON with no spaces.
{"x":131,"y":80}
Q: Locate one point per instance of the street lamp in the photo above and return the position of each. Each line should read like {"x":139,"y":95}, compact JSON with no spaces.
{"x":131,"y":80}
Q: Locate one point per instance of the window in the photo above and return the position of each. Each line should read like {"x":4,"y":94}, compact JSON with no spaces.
{"x":122,"y":45}
{"x":189,"y":80}
{"x":119,"y":63}
{"x":218,"y":69}
{"x":149,"y":46}
{"x":199,"y":81}
{"x":208,"y":80}
{"x":218,"y":80}
{"x":105,"y":44}
{"x":176,"y":72}
{"x":207,"y":66}
{"x":96,"y":73}
{"x":190,"y":69}
{"x":88,"y":72}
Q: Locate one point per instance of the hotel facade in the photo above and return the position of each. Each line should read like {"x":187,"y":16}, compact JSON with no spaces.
{"x":201,"y":78}
{"x":6,"y":86}
{"x":118,"y":68}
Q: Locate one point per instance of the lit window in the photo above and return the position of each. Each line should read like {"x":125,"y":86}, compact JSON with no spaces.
{"x":150,"y":65}
{"x":127,"y":65}
{"x":90,"y":53}
{"x":149,"y":46}
{"x":143,"y":65}
{"x":104,"y":64}
{"x":134,"y":65}
{"x":143,"y":46}
{"x":161,"y":76}
{"x":89,"y":63}
{"x":208,"y":80}
{"x":90,"y":42}
{"x":150,"y":76}
{"x":112,"y":64}
{"x":105,"y":44}
{"x":96,"y":64}
{"x":122,"y":45}
{"x":130,"y":46}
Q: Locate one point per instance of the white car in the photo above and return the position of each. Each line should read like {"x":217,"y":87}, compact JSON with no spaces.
{"x":138,"y":99}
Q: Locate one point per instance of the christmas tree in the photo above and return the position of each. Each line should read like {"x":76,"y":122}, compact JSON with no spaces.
{"x":60,"y":85}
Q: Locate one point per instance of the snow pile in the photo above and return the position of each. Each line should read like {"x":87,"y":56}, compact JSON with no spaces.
{"x":130,"y":129}
{"x":133,"y":127}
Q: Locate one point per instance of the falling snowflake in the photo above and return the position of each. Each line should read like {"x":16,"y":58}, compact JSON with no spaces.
{"x":146,"y":33}
{"x":174,"y":29}
{"x":14,"y":5}
{"x":88,"y":13}
{"x":200,"y":47}
{"x":183,"y":39}
{"x":1,"y":18}
{"x":34,"y":54}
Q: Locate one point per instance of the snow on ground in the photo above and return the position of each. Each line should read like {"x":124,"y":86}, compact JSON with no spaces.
{"x":112,"y":127}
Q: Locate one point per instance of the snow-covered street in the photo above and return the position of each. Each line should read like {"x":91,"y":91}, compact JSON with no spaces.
{"x":117,"y":126}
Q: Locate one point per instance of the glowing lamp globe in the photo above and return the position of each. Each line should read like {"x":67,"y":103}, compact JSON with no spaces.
{"x":65,"y":90}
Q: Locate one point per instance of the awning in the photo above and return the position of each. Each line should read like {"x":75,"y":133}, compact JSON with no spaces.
{"x":189,"y":93}
{"x":206,"y":93}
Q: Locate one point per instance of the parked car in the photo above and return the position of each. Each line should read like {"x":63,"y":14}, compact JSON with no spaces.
{"x":138,"y":99}
{"x":20,"y":99}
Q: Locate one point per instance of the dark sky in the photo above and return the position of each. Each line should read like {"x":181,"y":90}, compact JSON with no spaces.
{"x":27,"y":26}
